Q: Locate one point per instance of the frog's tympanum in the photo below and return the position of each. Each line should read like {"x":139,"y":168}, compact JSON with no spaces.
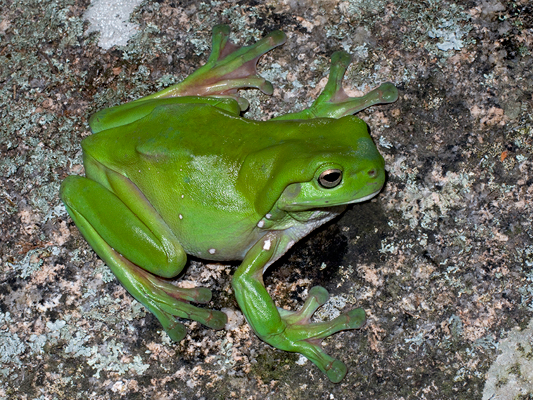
{"x":181,"y":172}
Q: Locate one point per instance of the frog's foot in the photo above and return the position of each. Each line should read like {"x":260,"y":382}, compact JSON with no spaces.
{"x":304,"y":337}
{"x":169,"y":303}
{"x":229,"y":68}
{"x":288,"y":330}
{"x":333,"y":102}
{"x":135,"y":237}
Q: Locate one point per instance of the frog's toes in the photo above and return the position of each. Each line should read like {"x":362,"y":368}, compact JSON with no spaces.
{"x":319,"y":293}
{"x":169,"y":311}
{"x":229,"y":68}
{"x":387,"y":92}
{"x":352,"y":319}
{"x":304,"y":337}
{"x":317,"y":297}
{"x":216,"y":320}
{"x":175,"y":330}
{"x":336,"y":370}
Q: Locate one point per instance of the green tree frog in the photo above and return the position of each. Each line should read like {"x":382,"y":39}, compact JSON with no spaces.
{"x":181,"y":172}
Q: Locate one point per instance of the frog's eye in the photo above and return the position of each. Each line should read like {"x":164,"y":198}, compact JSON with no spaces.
{"x":330,"y":178}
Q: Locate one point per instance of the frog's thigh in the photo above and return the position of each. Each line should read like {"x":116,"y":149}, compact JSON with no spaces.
{"x":102,"y":216}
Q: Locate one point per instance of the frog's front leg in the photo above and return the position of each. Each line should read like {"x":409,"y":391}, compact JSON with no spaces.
{"x":286,"y":330}
{"x":333,"y":102}
{"x":137,"y":245}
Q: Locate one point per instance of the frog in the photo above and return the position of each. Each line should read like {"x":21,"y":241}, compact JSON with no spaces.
{"x":182,"y":172}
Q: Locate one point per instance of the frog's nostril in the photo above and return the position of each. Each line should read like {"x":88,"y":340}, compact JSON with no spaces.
{"x":372,"y":173}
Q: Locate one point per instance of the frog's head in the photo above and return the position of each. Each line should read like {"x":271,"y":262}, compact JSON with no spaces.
{"x":345,"y":181}
{"x":323,"y":163}
{"x":346,"y":176}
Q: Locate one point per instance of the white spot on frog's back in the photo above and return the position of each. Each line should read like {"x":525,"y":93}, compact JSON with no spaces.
{"x":180,"y":216}
{"x":212,"y":251}
{"x":260,"y":224}
{"x":267,"y":244}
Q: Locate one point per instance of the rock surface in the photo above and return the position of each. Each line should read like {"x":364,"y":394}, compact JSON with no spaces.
{"x":442,"y":260}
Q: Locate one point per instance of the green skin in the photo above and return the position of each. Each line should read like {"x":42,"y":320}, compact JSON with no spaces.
{"x":181,"y":172}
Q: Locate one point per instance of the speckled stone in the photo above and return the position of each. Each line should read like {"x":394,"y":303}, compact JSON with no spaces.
{"x":441,"y":260}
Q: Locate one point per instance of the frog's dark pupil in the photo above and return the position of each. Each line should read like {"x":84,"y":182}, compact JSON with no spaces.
{"x":330,"y":178}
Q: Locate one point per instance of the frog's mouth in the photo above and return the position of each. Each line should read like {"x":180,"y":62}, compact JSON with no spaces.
{"x":364,"y":198}
{"x":329,"y":203}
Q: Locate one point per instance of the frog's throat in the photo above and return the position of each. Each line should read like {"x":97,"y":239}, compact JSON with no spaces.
{"x":299,"y":229}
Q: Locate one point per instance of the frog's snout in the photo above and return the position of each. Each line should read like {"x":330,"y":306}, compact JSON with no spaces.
{"x":372,"y":173}
{"x":375,"y":176}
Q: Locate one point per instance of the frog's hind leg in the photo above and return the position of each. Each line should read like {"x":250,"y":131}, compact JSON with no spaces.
{"x":228,"y":69}
{"x":166,"y":301}
{"x":117,"y":235}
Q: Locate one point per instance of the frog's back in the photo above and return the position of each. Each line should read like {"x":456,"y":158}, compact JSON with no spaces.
{"x":173,"y":133}
{"x":170,"y":133}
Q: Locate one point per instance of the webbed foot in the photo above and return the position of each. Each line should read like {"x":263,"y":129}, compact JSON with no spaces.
{"x":302,"y":336}
{"x":288,"y":330}
{"x":333,"y":102}
{"x":169,"y":303}
{"x":103,"y":218}
{"x":228,"y":69}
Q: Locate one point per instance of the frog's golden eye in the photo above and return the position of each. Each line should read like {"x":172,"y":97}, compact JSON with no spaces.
{"x":330,"y":178}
